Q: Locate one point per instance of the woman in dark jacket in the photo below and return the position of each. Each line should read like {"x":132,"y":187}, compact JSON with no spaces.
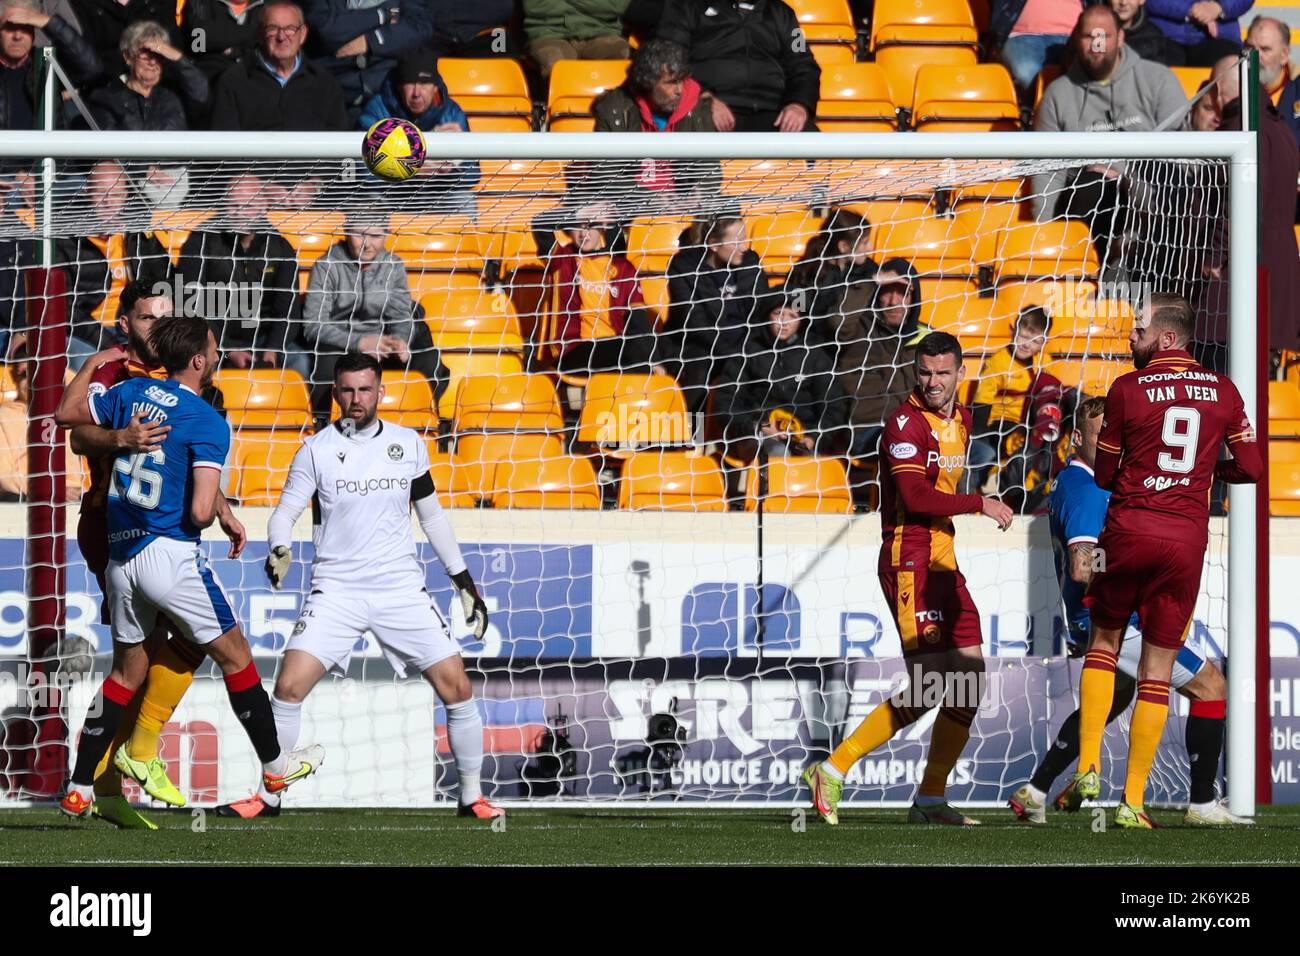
{"x":837,"y":257}
{"x":713,"y":286}
{"x":137,"y":100}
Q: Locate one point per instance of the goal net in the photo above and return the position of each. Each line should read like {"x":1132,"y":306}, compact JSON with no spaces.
{"x":652,"y":390}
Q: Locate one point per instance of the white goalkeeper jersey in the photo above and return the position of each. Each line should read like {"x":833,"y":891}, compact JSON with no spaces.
{"x":359,"y":488}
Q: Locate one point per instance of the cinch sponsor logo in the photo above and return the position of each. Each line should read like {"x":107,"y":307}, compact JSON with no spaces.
{"x":364,"y":488}
{"x":77,"y":909}
{"x":946,"y":462}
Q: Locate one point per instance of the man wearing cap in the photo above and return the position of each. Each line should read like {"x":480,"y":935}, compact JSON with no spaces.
{"x":360,"y":41}
{"x":414,"y":91}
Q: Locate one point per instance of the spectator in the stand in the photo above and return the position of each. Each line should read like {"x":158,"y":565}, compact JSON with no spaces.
{"x":60,"y":8}
{"x":1279,"y":76}
{"x":14,"y":442}
{"x":472,"y":30}
{"x":1199,"y":31}
{"x":1016,"y":411}
{"x":1106,"y":88}
{"x":136,"y":100}
{"x":574,"y":30}
{"x":277,"y":88}
{"x":19,"y":23}
{"x":714,"y":282}
{"x":1140,"y":35}
{"x":1204,"y":116}
{"x":1031,"y":34}
{"x":415,"y":91}
{"x":358,"y":300}
{"x":875,"y":330}
{"x":102,"y":23}
{"x":780,"y":393}
{"x":104,"y":258}
{"x":245,"y":275}
{"x":229,"y":29}
{"x":835,"y":258}
{"x":597,"y":320}
{"x":659,"y":95}
{"x":747,"y":56}
{"x":359,"y":41}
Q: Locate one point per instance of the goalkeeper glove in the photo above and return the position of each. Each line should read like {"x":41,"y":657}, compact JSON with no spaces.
{"x":277,"y":565}
{"x":476,"y":612}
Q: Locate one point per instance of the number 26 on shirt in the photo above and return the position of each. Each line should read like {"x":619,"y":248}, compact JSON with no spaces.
{"x":143,"y":485}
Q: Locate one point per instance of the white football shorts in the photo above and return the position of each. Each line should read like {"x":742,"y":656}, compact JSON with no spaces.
{"x":1188,"y":663}
{"x":172,"y":577}
{"x":410,"y":629}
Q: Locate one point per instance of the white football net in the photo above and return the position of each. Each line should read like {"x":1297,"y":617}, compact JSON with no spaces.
{"x":647,"y":639}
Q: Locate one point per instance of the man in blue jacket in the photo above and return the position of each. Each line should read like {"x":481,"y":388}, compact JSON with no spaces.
{"x":359,"y":41}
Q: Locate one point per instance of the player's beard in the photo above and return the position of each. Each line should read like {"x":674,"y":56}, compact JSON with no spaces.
{"x":350,"y":424}
{"x":1142,"y":357}
{"x":140,"y":346}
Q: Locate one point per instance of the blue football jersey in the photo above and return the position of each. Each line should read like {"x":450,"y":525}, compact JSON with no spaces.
{"x":1077,"y":509}
{"x":149,"y":493}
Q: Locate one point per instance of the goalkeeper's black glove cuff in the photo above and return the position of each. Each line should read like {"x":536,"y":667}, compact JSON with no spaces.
{"x":463,"y":581}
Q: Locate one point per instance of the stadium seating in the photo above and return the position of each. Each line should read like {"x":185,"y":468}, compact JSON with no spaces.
{"x":564,"y":482}
{"x":435,"y":243}
{"x":479,"y":453}
{"x":654,"y":290}
{"x":1091,"y":376}
{"x":1283,"y":410}
{"x":771,"y":185}
{"x":977,"y":322}
{"x":575,"y":84}
{"x":467,"y":319}
{"x":1091,"y":327}
{"x":671,"y":481}
{"x":492,"y":92}
{"x":828,"y":27}
{"x":262,"y":462}
{"x":855,"y":98}
{"x":310,"y":233}
{"x":1191,"y":77}
{"x":408,"y":400}
{"x":880,"y":211}
{"x":265,"y":398}
{"x":931,"y":244}
{"x":527,"y":176}
{"x":906,"y":35}
{"x":1042,"y":261}
{"x":467,"y":365}
{"x":902,"y":62}
{"x":623,"y":412}
{"x":652,"y":242}
{"x":978,"y":98}
{"x":802,"y":485}
{"x":450,"y":481}
{"x":1284,"y":478}
{"x":781,"y":238}
{"x":521,"y":402}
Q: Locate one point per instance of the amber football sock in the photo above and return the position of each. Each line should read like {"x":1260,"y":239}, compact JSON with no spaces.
{"x":1144,"y":736}
{"x":1096,"y":691}
{"x":947,"y":741}
{"x":876,"y":728}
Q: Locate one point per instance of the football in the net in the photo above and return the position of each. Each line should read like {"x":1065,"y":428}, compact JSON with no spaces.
{"x":393,"y":149}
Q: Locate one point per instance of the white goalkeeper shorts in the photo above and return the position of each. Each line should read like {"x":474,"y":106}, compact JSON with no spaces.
{"x":174,"y":578}
{"x":1188,"y":663}
{"x":410,"y":629}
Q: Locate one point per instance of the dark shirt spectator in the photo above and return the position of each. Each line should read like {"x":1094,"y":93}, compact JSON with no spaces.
{"x":19,"y":23}
{"x":1279,"y":76}
{"x":230,"y":32}
{"x":781,"y":391}
{"x":1199,"y":31}
{"x":246,"y":276}
{"x":102,"y":23}
{"x":745,"y":55}
{"x":1141,"y":35}
{"x":659,"y":95}
{"x":60,"y":8}
{"x":472,"y":30}
{"x":574,"y":30}
{"x":714,"y":283}
{"x":835,"y":258}
{"x":136,"y":100}
{"x":416,"y":92}
{"x":277,"y":88}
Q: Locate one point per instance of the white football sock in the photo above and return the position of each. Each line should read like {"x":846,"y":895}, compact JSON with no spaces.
{"x":1037,"y":794}
{"x":288,"y":720}
{"x":465,"y":734}
{"x":828,"y":768}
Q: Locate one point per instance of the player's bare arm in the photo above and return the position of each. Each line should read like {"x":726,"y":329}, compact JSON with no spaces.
{"x":141,"y":435}
{"x":203,"y":504}
{"x":74,"y":406}
{"x":1081,"y":561}
{"x":231,"y":526}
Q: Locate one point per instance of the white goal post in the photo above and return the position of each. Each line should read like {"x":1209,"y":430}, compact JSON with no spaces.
{"x":944,"y":157}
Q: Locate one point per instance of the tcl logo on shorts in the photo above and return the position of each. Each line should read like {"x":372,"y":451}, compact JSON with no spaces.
{"x":929,"y":615}
{"x":946,"y":462}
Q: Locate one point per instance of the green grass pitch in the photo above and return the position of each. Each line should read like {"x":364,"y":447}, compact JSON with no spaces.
{"x":636,"y":836}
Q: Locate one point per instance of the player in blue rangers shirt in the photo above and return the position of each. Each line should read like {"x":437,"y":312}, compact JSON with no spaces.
{"x":159,"y":502}
{"x":1078,"y":511}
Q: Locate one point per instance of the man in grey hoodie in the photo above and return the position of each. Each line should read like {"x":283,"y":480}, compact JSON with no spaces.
{"x":1108,"y":87}
{"x":358,"y":300}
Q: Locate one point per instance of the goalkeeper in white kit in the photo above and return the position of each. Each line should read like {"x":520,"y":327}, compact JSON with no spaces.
{"x":361,"y":476}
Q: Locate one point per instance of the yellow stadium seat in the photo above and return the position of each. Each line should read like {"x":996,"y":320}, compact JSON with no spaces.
{"x":1048,"y":293}
{"x":310,"y":233}
{"x":424,"y":284}
{"x":977,"y":322}
{"x":492,"y":92}
{"x":450,"y":481}
{"x":1283,"y":410}
{"x":1090,"y":327}
{"x":508,"y":403}
{"x":1046,"y":77}
{"x":756,"y":180}
{"x":575,"y":84}
{"x":933,"y":22}
{"x":987,"y":223}
{"x":978,"y":98}
{"x":1191,"y":78}
{"x":462,"y":366}
{"x":527,"y":176}
{"x":828,"y":27}
{"x":1091,"y":376}
{"x":930,"y":243}
{"x":1284,"y":478}
{"x":802,"y":485}
{"x":652,"y":242}
{"x":628,"y":412}
{"x":781,"y":238}
{"x":262,"y":462}
{"x":563,"y":482}
{"x":855,"y":98}
{"x":901,"y":64}
{"x":1284,"y":449}
{"x":881,"y":211}
{"x":671,"y":481}
{"x":1062,"y":248}
{"x":479,"y":453}
{"x":654,"y":290}
{"x":829,"y":54}
{"x":465,"y":319}
{"x":264,"y":398}
{"x":436,"y":243}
